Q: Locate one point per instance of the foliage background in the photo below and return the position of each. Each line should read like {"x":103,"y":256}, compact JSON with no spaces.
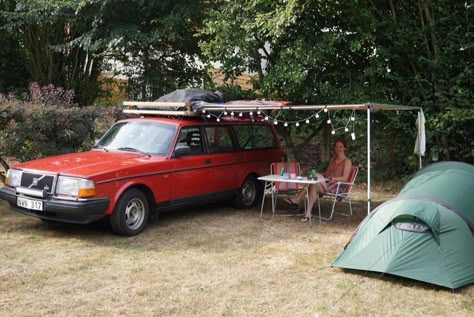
{"x":307,"y":51}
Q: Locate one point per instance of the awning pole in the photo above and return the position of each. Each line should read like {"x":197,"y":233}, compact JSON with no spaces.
{"x":419,"y":139}
{"x":368,"y":159}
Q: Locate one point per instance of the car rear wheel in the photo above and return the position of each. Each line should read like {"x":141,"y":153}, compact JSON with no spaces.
{"x":248,"y":193}
{"x":131,"y":214}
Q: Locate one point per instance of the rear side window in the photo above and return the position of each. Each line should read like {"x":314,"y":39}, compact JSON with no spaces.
{"x":219,"y":139}
{"x":255,"y":136}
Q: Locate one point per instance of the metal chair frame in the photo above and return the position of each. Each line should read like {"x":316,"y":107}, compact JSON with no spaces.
{"x":343,"y":195}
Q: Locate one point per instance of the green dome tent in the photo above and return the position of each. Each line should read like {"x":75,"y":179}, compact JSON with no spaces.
{"x":426,"y":233}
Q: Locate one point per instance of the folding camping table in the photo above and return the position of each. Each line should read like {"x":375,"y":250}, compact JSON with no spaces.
{"x":270,"y":182}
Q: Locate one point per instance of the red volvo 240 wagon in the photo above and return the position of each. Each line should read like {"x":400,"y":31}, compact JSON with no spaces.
{"x":147,"y":164}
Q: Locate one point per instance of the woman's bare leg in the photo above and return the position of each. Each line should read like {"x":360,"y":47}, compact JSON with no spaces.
{"x":298,"y":197}
{"x":311,"y":200}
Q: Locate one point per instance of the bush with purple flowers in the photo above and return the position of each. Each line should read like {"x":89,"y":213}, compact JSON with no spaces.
{"x":45,"y":122}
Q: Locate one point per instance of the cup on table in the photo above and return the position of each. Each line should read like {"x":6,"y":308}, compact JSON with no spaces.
{"x":292,"y":175}
{"x":285,"y":175}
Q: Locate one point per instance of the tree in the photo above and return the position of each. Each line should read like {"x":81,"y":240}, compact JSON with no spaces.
{"x":303,"y":51}
{"x":151,"y":42}
{"x":46,"y":29}
{"x":392,"y":51}
{"x":427,"y":46}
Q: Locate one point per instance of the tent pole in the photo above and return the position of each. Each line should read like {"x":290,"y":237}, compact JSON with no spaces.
{"x":368,"y":159}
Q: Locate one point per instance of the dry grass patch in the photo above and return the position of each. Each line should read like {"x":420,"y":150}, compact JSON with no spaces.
{"x":205,"y":262}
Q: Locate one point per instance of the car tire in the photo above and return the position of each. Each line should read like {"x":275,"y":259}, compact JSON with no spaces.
{"x":247,"y":195}
{"x":131,"y":213}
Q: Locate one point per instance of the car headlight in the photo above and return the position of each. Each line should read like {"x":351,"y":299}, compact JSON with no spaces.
{"x":77,"y":187}
{"x":13,"y":178}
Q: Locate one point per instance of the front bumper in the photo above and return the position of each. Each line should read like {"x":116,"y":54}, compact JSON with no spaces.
{"x":80,"y":211}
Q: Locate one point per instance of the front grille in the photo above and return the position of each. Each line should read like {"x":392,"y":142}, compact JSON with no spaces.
{"x":38,"y":181}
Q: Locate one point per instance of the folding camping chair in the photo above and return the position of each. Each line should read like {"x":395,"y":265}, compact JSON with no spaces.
{"x":343,"y":193}
{"x":282,"y":188}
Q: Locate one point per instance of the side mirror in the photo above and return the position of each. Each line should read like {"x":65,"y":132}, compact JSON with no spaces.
{"x":182,"y":150}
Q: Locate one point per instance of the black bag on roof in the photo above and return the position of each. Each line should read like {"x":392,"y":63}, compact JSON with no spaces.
{"x":192,"y":95}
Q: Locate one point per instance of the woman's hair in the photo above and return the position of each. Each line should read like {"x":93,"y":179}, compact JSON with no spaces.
{"x":342,"y":141}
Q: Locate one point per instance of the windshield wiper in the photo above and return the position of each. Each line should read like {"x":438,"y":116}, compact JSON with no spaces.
{"x":132,"y":149}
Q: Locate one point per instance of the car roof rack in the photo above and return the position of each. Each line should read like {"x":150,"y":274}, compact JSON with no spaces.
{"x":196,"y":108}
{"x":159,"y":108}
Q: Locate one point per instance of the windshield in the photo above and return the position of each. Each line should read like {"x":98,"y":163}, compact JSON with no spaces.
{"x":139,"y":136}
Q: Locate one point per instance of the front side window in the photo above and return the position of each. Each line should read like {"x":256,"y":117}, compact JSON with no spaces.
{"x":191,"y":136}
{"x":139,"y":136}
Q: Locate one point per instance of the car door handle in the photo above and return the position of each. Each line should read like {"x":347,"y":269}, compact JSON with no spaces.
{"x":240,"y":158}
{"x":207,"y":161}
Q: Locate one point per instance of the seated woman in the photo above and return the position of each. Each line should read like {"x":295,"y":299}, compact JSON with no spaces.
{"x":338,"y":171}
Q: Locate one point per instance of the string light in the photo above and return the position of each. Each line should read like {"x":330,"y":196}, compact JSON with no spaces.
{"x":297,"y":123}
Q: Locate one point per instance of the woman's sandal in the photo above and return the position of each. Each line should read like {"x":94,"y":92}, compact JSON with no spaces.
{"x":289,"y":202}
{"x":305,"y":219}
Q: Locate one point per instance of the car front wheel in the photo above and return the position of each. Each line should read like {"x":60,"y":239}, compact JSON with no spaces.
{"x":131,"y":214}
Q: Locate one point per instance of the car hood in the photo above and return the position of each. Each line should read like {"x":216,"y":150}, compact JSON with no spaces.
{"x":88,"y":164}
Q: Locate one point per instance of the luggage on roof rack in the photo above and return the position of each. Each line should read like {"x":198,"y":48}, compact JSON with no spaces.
{"x":181,"y":102}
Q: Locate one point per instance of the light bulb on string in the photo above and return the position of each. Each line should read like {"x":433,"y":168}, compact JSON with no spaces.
{"x":275,"y":122}
{"x":286,"y":124}
{"x":225,"y":113}
{"x":240,"y":114}
{"x":329,"y":121}
{"x":209,"y":116}
{"x":266,"y":118}
{"x":251,"y":113}
{"x":297,"y":124}
{"x":346,"y":129}
{"x":353,"y":136}
{"x":307,"y":121}
{"x":317,"y":116}
{"x":325,"y":109}
{"x":218,"y":120}
{"x":353,"y":118}
{"x":258,"y":112}
{"x":333,"y":132}
{"x":203,"y":110}
{"x":232,"y":113}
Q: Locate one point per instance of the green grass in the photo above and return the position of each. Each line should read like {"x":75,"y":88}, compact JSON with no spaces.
{"x":203,"y":262}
